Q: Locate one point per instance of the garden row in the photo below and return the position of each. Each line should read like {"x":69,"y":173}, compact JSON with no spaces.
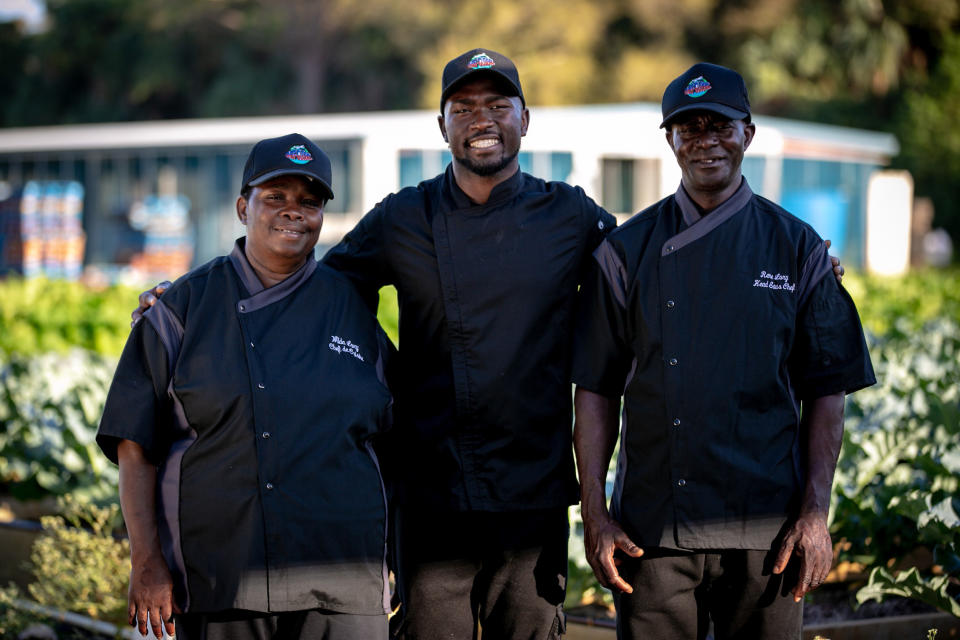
{"x":896,"y":504}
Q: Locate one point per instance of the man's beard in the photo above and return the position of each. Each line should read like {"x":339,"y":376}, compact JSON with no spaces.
{"x":486,"y":169}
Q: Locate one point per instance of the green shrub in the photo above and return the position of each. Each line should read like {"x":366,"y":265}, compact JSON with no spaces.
{"x":894,"y":306}
{"x":79,"y":564}
{"x":39,"y":315}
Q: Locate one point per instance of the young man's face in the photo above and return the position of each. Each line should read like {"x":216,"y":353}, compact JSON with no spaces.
{"x":709,"y":149}
{"x":483,"y":126}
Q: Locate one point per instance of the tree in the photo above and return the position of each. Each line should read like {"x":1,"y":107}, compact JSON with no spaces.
{"x":930,"y":139}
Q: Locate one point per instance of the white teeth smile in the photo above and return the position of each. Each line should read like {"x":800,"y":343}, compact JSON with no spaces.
{"x":484,"y":143}
{"x":289,"y":232}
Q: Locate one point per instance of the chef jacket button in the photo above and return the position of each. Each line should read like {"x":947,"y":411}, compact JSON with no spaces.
{"x":265,"y":435}
{"x":260,"y":385}
{"x":676,"y":422}
{"x":251,"y":345}
{"x":600,"y":225}
{"x":269,"y":486}
{"x":669,"y":248}
{"x":673,"y":362}
{"x":242,"y":308}
{"x":670,"y":305}
{"x":681,"y":482}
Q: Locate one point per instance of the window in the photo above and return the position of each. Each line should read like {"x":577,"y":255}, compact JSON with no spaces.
{"x":629,"y":184}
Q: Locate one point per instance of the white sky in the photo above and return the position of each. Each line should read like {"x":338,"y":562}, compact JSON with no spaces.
{"x":30,"y":11}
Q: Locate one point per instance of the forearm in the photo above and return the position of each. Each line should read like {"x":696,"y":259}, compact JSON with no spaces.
{"x":594,"y":438}
{"x":823,"y":430}
{"x":138,"y":482}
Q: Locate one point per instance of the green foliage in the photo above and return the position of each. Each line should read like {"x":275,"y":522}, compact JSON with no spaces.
{"x":930,"y":138}
{"x":79,"y":563}
{"x":893,"y":308}
{"x":910,"y":584}
{"x":50,"y":406}
{"x":13,"y":620}
{"x":39,"y":315}
{"x":898,"y":478}
{"x":388,"y":313}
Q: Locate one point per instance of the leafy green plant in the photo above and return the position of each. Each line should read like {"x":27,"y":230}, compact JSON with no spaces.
{"x":898,"y":479}
{"x":910,"y":584}
{"x":50,"y":406}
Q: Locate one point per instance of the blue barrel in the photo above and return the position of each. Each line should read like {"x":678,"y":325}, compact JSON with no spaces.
{"x":826,"y":210}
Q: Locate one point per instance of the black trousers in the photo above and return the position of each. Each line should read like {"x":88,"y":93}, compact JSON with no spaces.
{"x":290,"y":625}
{"x":676,"y":594}
{"x":504,"y":572}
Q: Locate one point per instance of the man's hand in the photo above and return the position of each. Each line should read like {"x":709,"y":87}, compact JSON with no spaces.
{"x":146,"y":300}
{"x":809,"y":540}
{"x":838,"y":269}
{"x":151,"y":592}
{"x":601,"y":539}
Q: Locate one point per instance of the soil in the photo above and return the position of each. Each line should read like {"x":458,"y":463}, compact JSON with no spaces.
{"x":828,"y":604}
{"x":835,"y":603}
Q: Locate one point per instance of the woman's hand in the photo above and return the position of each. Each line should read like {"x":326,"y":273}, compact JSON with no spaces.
{"x":151,"y":587}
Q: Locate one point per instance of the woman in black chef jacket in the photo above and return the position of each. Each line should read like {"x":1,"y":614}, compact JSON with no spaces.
{"x":243,"y":414}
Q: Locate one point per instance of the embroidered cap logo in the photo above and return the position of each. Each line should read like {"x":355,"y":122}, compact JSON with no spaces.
{"x":299,"y":154}
{"x":481,"y":61}
{"x":697,"y":87}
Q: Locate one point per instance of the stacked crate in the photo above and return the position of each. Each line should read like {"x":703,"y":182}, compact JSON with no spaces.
{"x":41,"y":231}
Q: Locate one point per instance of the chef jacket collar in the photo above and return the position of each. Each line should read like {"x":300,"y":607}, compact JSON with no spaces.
{"x":503,"y":191}
{"x":691,"y":212}
{"x":250,"y":281}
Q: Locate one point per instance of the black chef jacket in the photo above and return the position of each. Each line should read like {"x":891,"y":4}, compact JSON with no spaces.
{"x":259,"y":406}
{"x":714,"y":329}
{"x":486,"y":295}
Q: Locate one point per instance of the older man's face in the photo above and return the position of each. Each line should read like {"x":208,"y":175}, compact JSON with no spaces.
{"x":709,"y":149}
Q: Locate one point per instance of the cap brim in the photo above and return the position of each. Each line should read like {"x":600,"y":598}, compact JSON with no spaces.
{"x":716,"y":107}
{"x":270,"y":175}
{"x":507,"y":82}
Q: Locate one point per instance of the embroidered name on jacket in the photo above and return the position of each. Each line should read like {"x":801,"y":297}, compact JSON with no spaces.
{"x":340,"y":345}
{"x":777,"y":281}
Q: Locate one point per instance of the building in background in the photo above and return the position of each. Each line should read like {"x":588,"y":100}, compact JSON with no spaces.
{"x":159,"y":197}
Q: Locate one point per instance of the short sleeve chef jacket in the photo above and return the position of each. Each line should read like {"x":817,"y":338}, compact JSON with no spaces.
{"x":714,"y":330}
{"x":486,"y":295}
{"x":259,"y":406}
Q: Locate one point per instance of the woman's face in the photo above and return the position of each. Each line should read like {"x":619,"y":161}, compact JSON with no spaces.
{"x":283,"y":218}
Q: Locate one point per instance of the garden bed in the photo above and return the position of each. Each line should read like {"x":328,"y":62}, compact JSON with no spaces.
{"x":830,"y":615}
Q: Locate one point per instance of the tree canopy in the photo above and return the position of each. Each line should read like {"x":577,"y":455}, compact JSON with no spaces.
{"x":891,"y":65}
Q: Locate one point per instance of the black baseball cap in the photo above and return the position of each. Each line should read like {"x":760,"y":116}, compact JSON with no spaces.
{"x":479,"y":61}
{"x":289,"y":154}
{"x":706,"y":87}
